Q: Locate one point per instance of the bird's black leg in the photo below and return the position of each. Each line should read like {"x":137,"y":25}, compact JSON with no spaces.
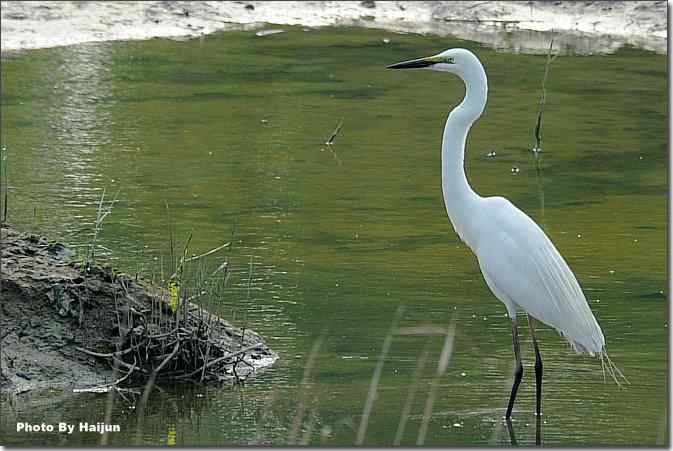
{"x":518,"y":371}
{"x":538,"y":368}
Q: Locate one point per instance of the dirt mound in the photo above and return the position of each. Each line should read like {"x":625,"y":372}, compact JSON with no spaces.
{"x":66,"y":327}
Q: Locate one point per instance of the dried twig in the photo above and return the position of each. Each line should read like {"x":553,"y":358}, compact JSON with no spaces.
{"x":107,"y":387}
{"x":181,"y":345}
{"x":335,"y":133}
{"x":168,"y":358}
{"x":225,"y":357}
{"x":111,"y":354}
{"x":330,"y":142}
{"x":205,"y":254}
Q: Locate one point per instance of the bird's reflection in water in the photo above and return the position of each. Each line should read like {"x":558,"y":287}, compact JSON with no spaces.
{"x":538,"y":431}
{"x":512,"y":437}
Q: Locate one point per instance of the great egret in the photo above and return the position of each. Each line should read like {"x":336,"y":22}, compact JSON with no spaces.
{"x":520,"y":264}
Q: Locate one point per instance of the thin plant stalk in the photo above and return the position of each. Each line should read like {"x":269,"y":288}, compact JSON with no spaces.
{"x":4,"y":182}
{"x":543,"y":96}
{"x":444,"y":359}
{"x":411,"y":396}
{"x":171,"y":239}
{"x":102,"y":212}
{"x":265,"y":413}
{"x":305,"y":382}
{"x":109,"y":405}
{"x":312,"y":418}
{"x":538,"y":127}
{"x":373,"y":386}
{"x":540,"y":192}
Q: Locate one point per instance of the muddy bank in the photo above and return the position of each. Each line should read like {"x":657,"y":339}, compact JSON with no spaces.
{"x":584,"y":26}
{"x":64,"y":327}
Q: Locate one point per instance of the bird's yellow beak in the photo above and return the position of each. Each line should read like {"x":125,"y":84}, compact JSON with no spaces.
{"x":416,"y":64}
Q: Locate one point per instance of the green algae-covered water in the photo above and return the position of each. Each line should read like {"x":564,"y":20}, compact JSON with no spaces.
{"x":229,"y":130}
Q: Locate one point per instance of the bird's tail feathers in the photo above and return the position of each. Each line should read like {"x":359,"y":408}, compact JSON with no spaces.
{"x":614,"y":372}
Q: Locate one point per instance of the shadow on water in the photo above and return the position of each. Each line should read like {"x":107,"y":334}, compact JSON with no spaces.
{"x":510,"y":430}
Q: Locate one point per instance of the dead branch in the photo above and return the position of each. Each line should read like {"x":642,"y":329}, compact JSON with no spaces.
{"x":335,"y":133}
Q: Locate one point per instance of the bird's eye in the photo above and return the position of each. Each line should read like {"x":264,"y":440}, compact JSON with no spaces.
{"x":449,"y":60}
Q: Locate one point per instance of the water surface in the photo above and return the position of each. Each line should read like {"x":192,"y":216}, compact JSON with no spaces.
{"x":229,"y":130}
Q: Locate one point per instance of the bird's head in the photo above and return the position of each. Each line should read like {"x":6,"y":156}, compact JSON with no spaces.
{"x":457,"y":61}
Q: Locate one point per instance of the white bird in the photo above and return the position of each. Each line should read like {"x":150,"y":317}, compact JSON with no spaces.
{"x":519,"y":262}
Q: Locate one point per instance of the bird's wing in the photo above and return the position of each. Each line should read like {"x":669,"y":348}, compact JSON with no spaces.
{"x":522,"y":266}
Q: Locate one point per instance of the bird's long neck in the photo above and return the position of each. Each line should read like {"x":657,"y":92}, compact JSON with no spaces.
{"x":457,"y":191}
{"x":462,"y":203}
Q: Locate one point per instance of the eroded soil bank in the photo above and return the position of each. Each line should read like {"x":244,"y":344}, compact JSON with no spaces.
{"x":523,"y":26}
{"x":52,"y":310}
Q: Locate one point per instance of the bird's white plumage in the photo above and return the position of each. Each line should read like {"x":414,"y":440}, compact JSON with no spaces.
{"x":519,"y":262}
{"x":523,"y":269}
